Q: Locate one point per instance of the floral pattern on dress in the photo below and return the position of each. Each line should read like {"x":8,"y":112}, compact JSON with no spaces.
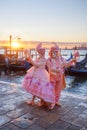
{"x":37,"y":82}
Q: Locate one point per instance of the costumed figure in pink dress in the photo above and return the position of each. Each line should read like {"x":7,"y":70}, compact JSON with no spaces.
{"x":56,"y":65}
{"x":37,"y":80}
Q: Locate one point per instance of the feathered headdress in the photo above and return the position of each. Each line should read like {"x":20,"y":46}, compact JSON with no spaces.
{"x":40,"y":49}
{"x":54,"y":48}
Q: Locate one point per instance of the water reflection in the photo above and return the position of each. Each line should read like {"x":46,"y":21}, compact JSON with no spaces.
{"x":76,"y":85}
{"x":79,"y":79}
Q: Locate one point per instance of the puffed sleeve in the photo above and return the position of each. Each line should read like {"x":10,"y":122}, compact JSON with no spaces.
{"x":66,"y":64}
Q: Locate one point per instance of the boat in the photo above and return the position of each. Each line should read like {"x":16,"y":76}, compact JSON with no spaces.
{"x":80,"y":69}
{"x":19,"y":65}
{"x":16,"y":65}
{"x":10,"y":62}
{"x":77,"y":72}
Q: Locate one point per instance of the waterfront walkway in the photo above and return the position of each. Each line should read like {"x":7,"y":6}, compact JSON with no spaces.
{"x":15,"y":114}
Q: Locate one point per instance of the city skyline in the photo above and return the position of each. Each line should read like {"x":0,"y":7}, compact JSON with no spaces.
{"x":44,"y":20}
{"x":32,"y":44}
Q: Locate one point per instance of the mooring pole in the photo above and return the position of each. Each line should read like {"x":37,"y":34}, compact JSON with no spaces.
{"x":10,"y":44}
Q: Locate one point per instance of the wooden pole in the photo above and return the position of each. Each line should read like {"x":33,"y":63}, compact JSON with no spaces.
{"x":10,"y":44}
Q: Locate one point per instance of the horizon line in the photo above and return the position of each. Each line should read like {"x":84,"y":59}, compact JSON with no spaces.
{"x":45,"y":41}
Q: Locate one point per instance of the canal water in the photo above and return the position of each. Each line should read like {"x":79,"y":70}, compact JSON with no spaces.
{"x":74,"y":85}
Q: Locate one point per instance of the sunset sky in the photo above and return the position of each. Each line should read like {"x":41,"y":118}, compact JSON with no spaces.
{"x":44,"y":20}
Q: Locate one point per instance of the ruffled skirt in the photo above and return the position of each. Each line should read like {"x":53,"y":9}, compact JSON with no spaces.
{"x":38,"y":84}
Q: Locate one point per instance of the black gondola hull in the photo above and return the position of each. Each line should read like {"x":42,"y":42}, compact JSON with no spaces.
{"x":77,"y":72}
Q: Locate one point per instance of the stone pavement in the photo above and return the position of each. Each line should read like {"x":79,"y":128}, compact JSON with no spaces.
{"x":15,"y":114}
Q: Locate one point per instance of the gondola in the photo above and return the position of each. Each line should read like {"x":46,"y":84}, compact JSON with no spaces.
{"x":77,"y":72}
{"x":16,"y":65}
{"x":19,"y":65}
{"x":80,"y":69}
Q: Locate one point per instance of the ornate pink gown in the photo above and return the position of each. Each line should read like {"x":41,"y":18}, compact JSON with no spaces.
{"x":57,"y":79}
{"x":37,"y":82}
